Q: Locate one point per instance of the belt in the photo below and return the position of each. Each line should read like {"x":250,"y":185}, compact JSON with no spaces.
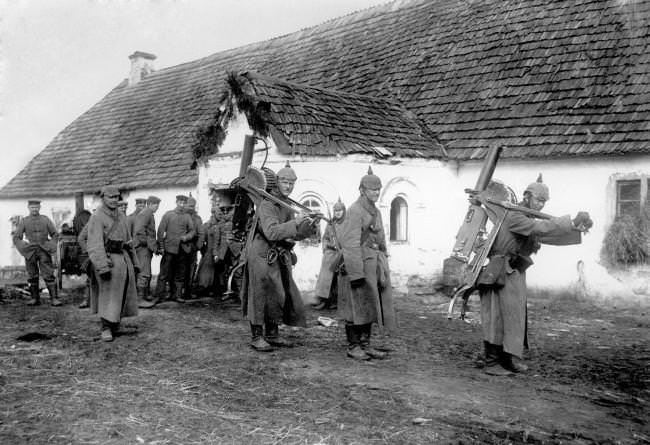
{"x":374,"y":246}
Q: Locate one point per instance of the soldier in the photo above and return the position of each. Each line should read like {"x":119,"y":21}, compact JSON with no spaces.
{"x":114,"y":262}
{"x":196,"y":245}
{"x":227,"y":253}
{"x":140,"y":204}
{"x":503,"y":306}
{"x":38,"y":250}
{"x":175,"y":234}
{"x":144,"y":240}
{"x":327,"y":284}
{"x":365,"y":293}
{"x":269,"y":294}
{"x":86,"y":267}
{"x":122,"y":206}
{"x":206,"y":274}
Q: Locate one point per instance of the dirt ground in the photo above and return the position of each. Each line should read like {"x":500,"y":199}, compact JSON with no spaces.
{"x":185,"y":374}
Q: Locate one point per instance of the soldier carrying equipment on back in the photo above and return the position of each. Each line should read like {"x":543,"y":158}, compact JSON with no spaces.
{"x":38,"y":250}
{"x":269,"y":294}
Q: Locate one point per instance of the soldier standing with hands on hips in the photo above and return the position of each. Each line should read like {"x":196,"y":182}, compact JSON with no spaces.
{"x":38,"y":250}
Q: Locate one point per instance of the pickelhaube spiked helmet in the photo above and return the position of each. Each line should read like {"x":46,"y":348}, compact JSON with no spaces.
{"x":538,"y":189}
{"x":370,"y":180}
{"x":287,"y":172}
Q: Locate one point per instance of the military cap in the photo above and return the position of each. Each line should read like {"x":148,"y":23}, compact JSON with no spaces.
{"x":287,"y":172}
{"x":33,"y":202}
{"x":370,"y":180}
{"x":140,"y":200}
{"x":538,"y":189}
{"x":182,"y":198}
{"x":109,"y":190}
{"x":153,"y":199}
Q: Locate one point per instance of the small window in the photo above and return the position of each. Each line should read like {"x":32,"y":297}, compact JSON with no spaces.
{"x":398,"y":220}
{"x":628,"y":198}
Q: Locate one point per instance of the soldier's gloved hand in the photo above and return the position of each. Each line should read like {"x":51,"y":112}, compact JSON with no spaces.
{"x":582,"y":220}
{"x":105,"y":274}
{"x":359,"y":282}
{"x":305,"y":227}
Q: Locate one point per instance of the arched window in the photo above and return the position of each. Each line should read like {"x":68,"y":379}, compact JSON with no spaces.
{"x":399,"y":220}
{"x":314,"y":205}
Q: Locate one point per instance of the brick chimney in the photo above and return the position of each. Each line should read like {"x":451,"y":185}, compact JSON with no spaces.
{"x":141,"y":66}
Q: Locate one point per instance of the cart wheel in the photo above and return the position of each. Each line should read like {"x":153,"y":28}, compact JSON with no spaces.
{"x":59,"y":269}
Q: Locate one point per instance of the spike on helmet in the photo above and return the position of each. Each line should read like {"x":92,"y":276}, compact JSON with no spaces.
{"x":538,"y":189}
{"x":370,"y":180}
{"x":287,"y":172}
{"x":338,"y":205}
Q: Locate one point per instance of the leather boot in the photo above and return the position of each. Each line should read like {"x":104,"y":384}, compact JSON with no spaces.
{"x":178,"y":292}
{"x":364,"y":338}
{"x":506,"y":362}
{"x":54,"y":294}
{"x":257,"y":342}
{"x":35,"y":294}
{"x":354,"y":343}
{"x":142,"y":298}
{"x":273,"y":336}
{"x":86,"y":303}
{"x":492,"y":361}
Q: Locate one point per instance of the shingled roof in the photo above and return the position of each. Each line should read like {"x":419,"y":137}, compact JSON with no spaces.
{"x":317,"y":121}
{"x":546,"y":78}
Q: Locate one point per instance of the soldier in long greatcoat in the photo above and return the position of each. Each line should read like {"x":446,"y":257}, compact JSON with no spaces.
{"x":365,"y":295}
{"x":206,"y":272}
{"x":114,"y":263}
{"x":37,"y":250}
{"x":195,"y":243}
{"x":326,"y":291}
{"x":144,"y":240}
{"x":269,"y":294}
{"x":503,"y":307}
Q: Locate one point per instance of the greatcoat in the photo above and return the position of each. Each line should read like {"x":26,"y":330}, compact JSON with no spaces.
{"x":363,"y":243}
{"x":116,"y":297}
{"x":268,"y":288}
{"x":503,"y":311}
{"x":144,"y":240}
{"x":331,"y":255}
{"x":207,"y":268}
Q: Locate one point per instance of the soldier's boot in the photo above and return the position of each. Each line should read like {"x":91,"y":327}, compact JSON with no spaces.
{"x":320,"y":304}
{"x":257,"y":341}
{"x":492,"y":361}
{"x":354,"y":343}
{"x":35,"y":294}
{"x":506,"y":362}
{"x":272,"y":336}
{"x":364,"y":338}
{"x":54,"y":294}
{"x":178,"y":292}
{"x":107,"y":332}
{"x":86,"y":302}
{"x":142,"y":298}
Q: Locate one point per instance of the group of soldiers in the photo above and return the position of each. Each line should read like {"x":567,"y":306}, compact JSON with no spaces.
{"x":355,"y":262}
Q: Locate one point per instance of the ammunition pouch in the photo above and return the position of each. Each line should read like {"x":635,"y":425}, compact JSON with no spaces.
{"x":492,"y":276}
{"x":285,"y":256}
{"x":521,"y":263}
{"x":115,"y":246}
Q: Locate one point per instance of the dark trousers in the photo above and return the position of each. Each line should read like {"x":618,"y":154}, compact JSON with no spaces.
{"x":40,"y":260}
{"x":190,"y":268}
{"x":172,"y":271}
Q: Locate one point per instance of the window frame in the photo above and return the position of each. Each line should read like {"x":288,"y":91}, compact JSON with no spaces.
{"x":392,"y":227}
